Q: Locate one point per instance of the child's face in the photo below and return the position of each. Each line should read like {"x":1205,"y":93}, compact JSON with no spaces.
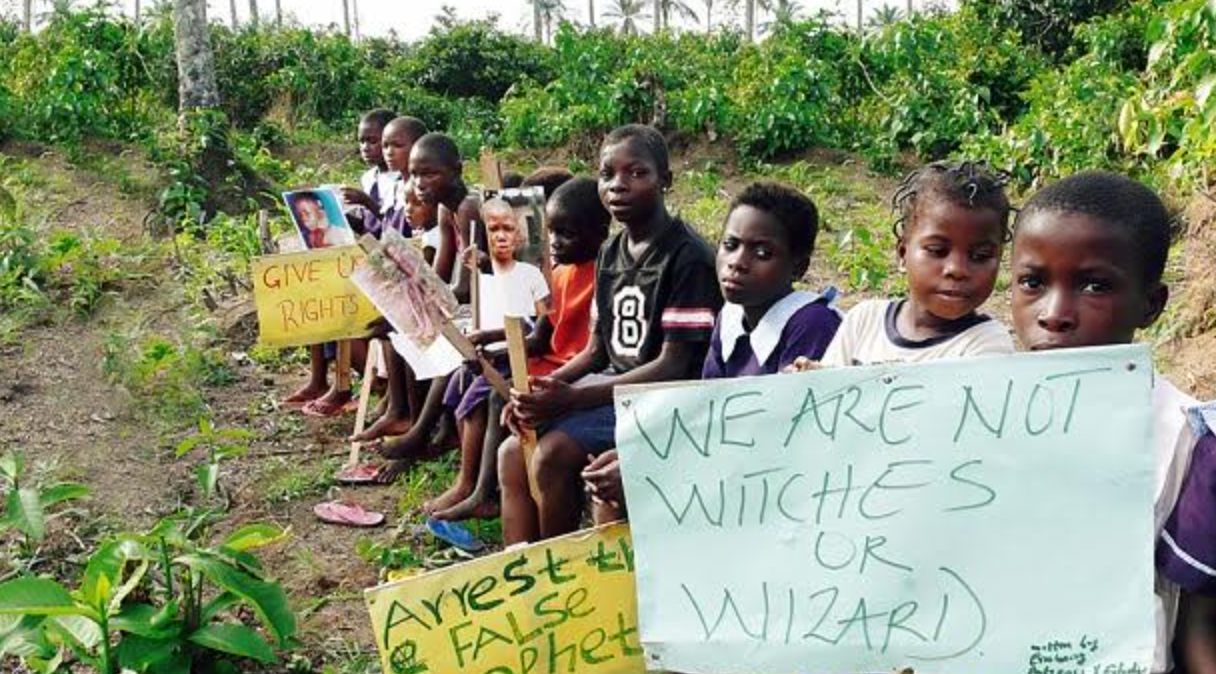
{"x":568,"y":243}
{"x":312,"y":214}
{"x":503,"y":233}
{"x":420,"y":215}
{"x":370,"y":137}
{"x":951,"y":254}
{"x":755,"y":267}
{"x":397,"y":147}
{"x":1078,"y":282}
{"x":433,"y":179}
{"x":631,"y":186}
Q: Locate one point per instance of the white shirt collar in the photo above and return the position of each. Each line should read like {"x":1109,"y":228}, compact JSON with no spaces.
{"x":767,"y":335}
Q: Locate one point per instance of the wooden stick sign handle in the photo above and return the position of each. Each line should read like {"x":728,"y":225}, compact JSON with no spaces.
{"x":517,"y":353}
{"x":374,"y":350}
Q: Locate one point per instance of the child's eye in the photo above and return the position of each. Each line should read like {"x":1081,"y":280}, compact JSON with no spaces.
{"x":764,"y":253}
{"x":982,"y":256}
{"x":730,"y":244}
{"x":637,"y":173}
{"x":1029,"y":282}
{"x":936,"y":251}
{"x":1095,"y":286}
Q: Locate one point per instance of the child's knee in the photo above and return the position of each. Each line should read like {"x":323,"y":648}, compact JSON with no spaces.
{"x":510,"y":460}
{"x":557,"y":456}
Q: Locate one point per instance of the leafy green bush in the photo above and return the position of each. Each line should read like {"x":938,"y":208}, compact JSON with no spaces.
{"x":473,"y":60}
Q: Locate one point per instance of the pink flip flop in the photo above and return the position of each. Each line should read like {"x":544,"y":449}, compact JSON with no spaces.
{"x":347,"y":514}
{"x":365,"y":473}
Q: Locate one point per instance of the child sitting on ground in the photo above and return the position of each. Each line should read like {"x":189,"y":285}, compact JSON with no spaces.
{"x":1087,"y":263}
{"x":516,"y":289}
{"x":578,"y":225}
{"x":655,"y":299}
{"x":952,"y":226}
{"x":765,"y":324}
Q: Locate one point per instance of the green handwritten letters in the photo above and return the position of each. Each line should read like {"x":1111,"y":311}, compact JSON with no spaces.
{"x":971,"y":517}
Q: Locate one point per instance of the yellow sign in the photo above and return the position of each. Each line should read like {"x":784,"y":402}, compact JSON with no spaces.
{"x":308,"y":298}
{"x":567,"y":606}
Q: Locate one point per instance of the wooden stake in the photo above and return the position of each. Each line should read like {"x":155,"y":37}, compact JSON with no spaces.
{"x":517,"y":353}
{"x":475,"y":278}
{"x":268,"y":244}
{"x":365,"y":391}
{"x":342,"y":367}
{"x":491,"y":171}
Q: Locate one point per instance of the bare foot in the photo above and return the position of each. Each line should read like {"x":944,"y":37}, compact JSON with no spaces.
{"x":386,"y":426}
{"x":455,"y":494}
{"x":478,"y":505}
{"x":304,"y":395}
{"x":393,"y":470}
{"x":409,"y":446}
{"x":335,"y":397}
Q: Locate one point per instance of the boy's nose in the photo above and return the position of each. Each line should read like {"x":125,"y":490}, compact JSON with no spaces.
{"x":955,"y":266}
{"x":1058,"y":314}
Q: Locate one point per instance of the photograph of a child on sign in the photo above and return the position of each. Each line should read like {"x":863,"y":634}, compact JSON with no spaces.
{"x":318,"y":217}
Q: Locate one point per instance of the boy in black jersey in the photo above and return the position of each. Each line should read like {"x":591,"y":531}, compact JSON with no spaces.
{"x":655,"y":303}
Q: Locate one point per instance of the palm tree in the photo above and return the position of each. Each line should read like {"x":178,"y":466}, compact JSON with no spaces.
{"x":784,"y":12}
{"x":884,"y":17}
{"x":27,"y":18}
{"x":253,"y":13}
{"x":355,"y":11}
{"x":346,"y":16}
{"x":549,"y":11}
{"x":196,"y":83}
{"x":278,"y":13}
{"x":591,"y":12}
{"x":678,"y":7}
{"x":628,"y":12}
{"x":709,"y":15}
{"x":232,"y":8}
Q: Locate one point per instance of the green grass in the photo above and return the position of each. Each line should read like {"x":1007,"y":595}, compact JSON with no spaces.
{"x":290,"y":480}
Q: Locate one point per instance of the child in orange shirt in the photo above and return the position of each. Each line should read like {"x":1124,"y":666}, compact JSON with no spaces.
{"x":578,"y":225}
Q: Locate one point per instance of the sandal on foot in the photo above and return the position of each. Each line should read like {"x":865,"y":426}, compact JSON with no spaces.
{"x":454,"y":534}
{"x":364,"y":473}
{"x":347,"y":514}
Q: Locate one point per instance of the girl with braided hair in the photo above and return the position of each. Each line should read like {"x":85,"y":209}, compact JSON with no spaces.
{"x":952,"y":225}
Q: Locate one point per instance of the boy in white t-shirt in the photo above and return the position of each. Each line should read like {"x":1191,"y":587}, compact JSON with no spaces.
{"x":1087,"y":263}
{"x":952,"y":226}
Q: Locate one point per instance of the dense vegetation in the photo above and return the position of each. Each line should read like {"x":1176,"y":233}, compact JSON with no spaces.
{"x":1098,"y":83}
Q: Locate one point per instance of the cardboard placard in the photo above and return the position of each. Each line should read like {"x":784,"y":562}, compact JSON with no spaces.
{"x":308,"y":297}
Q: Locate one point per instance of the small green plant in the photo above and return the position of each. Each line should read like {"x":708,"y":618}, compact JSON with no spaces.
{"x":156,"y":603}
{"x":27,"y":503}
{"x":219,"y":445}
{"x":166,"y":378}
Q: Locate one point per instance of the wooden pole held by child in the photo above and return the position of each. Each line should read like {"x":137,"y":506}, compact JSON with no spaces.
{"x":365,"y":392}
{"x":517,"y":354}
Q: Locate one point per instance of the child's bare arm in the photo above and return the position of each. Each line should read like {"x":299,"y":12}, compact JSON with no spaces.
{"x":445,"y":258}
{"x":537,"y":342}
{"x":1197,"y":633}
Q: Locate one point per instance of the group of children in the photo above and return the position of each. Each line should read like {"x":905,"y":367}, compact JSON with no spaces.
{"x":654,"y":302}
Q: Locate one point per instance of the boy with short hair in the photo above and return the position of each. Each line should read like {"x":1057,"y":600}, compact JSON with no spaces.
{"x":1088,"y":256}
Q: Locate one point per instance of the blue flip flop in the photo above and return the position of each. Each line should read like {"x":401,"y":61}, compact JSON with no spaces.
{"x":455,"y":534}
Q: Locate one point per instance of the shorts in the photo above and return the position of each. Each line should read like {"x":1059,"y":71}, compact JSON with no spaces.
{"x":594,"y":429}
{"x":465,"y":392}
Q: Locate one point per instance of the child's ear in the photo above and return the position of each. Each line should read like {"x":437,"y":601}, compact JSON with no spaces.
{"x":667,"y":180}
{"x":801,"y":265}
{"x":1155,"y":305}
{"x":901,"y":251}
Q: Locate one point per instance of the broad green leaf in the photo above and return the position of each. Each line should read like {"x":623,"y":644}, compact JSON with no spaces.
{"x":1204,"y":91}
{"x":141,"y":653}
{"x":266,"y":598}
{"x":104,"y":585}
{"x":253,"y":536}
{"x":11,"y":464}
{"x":62,"y":492}
{"x":148,"y":621}
{"x":25,"y":638}
{"x":36,"y":596}
{"x":218,"y":605}
{"x":236,"y":640}
{"x":207,"y":476}
{"x":186,"y":446}
{"x":80,"y":633}
{"x":27,"y":512}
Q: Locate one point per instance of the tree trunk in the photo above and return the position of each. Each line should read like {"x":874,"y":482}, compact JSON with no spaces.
{"x":196,"y":86}
{"x":910,"y":9}
{"x":232,"y":8}
{"x":137,"y":11}
{"x":591,"y":13}
{"x":860,"y":25}
{"x":538,"y":22}
{"x":346,"y":17}
{"x":278,"y":13}
{"x":709,"y":16}
{"x":355,"y":11}
{"x":658,"y":15}
{"x":253,"y":13}
{"x":28,"y":15}
{"x":749,"y":12}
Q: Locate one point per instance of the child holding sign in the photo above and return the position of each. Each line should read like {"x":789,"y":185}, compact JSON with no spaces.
{"x":952,"y":226}
{"x":514,"y":289}
{"x":578,"y":224}
{"x":377,"y":183}
{"x":765,"y":324}
{"x":655,"y":299}
{"x":1087,"y":264}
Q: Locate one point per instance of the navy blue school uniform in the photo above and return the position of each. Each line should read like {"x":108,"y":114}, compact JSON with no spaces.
{"x":800,"y":324}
